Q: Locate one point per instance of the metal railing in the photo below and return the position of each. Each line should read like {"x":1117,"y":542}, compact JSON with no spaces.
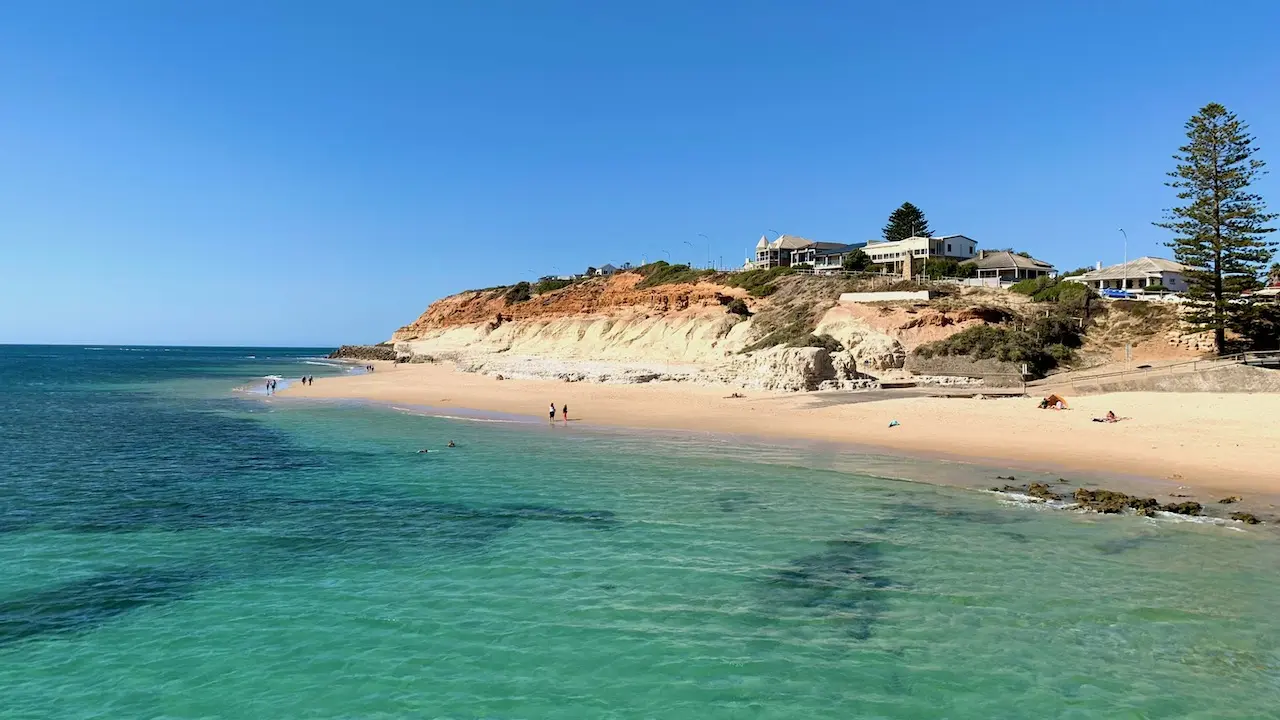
{"x":1246,"y":358}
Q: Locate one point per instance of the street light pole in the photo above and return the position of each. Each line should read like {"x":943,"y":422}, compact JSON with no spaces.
{"x":704,"y":237}
{"x":1124,"y":269}
{"x":692,"y":249}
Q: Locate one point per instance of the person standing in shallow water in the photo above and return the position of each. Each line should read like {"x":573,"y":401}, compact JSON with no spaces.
{"x":553,"y":412}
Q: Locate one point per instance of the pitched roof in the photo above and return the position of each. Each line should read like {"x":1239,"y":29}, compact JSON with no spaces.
{"x":764,"y":243}
{"x":1140,"y":267}
{"x":828,"y":249}
{"x":789,"y":242}
{"x":1005,"y":259}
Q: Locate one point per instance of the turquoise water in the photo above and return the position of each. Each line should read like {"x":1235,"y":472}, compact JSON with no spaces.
{"x":170,"y":547}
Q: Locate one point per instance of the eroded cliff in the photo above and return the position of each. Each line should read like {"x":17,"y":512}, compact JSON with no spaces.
{"x":616,"y":329}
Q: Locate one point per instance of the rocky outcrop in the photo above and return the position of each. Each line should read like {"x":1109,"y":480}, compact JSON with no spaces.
{"x":364,"y":352}
{"x":790,"y":369}
{"x":872,"y":350}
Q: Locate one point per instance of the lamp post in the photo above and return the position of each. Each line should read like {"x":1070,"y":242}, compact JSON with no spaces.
{"x":668,"y":255}
{"x":704,"y":237}
{"x":1124,"y":269}
{"x":692,"y":249}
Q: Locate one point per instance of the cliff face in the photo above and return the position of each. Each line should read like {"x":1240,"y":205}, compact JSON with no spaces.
{"x":609,"y":329}
{"x":616,"y":294}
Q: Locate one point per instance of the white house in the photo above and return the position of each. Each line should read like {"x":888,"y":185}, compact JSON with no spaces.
{"x":892,"y":254}
{"x":779,"y":252}
{"x":1138,"y":274}
{"x":1003,"y":266}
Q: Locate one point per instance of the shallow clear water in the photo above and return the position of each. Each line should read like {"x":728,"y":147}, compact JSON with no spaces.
{"x":171,"y":548}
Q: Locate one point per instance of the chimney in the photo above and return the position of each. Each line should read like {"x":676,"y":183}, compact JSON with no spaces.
{"x":1097,"y":265}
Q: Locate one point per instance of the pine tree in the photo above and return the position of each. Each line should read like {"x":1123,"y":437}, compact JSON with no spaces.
{"x":1220,"y":230}
{"x":905,"y":222}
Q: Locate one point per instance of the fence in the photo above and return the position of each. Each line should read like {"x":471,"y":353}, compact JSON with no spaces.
{"x":1266,"y":358}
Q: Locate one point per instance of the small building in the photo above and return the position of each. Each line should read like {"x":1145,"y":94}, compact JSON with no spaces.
{"x":1003,"y":266}
{"x":1138,"y":274}
{"x":603,"y":270}
{"x":892,"y":255}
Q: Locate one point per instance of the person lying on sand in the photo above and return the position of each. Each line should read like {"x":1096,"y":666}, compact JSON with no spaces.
{"x":1110,"y":418}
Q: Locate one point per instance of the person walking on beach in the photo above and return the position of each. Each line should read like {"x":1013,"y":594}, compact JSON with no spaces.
{"x":553,"y":412}
{"x":564,"y":412}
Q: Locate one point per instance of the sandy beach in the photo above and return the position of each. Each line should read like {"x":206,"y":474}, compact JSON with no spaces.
{"x":1220,"y":443}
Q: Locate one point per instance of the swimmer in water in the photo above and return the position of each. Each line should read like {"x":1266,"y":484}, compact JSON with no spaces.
{"x":451,"y":444}
{"x":423,"y":451}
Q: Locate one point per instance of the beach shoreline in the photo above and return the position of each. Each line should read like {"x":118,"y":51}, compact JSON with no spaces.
{"x":1199,"y":446}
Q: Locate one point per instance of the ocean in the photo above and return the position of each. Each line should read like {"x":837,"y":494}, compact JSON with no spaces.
{"x":176,"y":544}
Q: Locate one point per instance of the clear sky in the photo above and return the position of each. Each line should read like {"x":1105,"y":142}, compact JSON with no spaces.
{"x":318,"y":172}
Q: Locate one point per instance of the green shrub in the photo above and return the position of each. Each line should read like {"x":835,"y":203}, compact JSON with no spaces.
{"x":739,"y":307}
{"x":856,"y":261}
{"x":1031,"y":286}
{"x":758,"y":283}
{"x":938,"y":268}
{"x":1043,"y":345}
{"x":825,"y":342}
{"x":664,"y":273}
{"x":546,"y":285}
{"x":518,"y":293}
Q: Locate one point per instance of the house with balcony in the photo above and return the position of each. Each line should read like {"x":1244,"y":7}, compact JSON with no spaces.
{"x":893,"y":254}
{"x":781,"y":252}
{"x":1137,"y":275}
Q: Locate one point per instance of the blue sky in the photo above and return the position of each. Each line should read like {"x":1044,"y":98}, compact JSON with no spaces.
{"x":319,"y":172}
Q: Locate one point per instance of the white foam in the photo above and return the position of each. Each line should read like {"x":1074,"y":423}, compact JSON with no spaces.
{"x":322,"y":364}
{"x":424,"y":413}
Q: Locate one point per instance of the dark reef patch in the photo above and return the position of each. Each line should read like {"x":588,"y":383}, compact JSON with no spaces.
{"x":83,"y":605}
{"x":843,"y":583}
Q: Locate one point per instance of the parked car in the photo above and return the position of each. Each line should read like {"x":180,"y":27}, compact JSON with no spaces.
{"x":1117,"y":294}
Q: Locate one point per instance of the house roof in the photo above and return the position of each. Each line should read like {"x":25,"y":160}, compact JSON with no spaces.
{"x":1004,"y":260}
{"x":829,"y":249}
{"x":763,"y":244}
{"x":1141,"y":267}
{"x":789,"y":242}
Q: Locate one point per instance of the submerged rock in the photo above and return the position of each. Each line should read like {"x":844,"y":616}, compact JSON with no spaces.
{"x":1246,"y":518}
{"x":1183,"y":508}
{"x":1229,"y":500}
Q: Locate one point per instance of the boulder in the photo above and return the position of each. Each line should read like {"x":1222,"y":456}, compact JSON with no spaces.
{"x":779,"y":368}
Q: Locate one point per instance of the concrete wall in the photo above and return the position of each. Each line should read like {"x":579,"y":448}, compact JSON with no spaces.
{"x":869,"y":297}
{"x":1232,"y":379}
{"x":993,"y":372}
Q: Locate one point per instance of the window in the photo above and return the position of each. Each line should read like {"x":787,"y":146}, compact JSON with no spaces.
{"x":948,"y":247}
